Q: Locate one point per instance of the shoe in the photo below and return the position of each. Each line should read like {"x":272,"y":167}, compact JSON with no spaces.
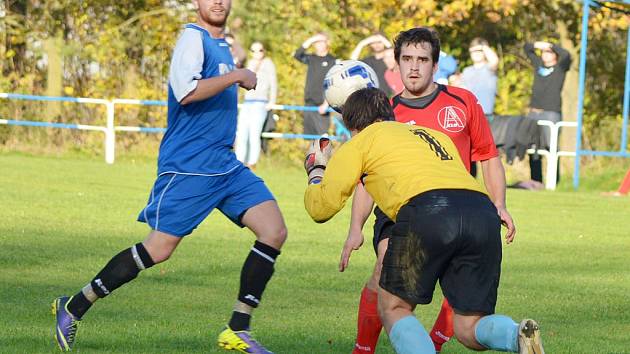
{"x":240,"y":341}
{"x":529,"y":341}
{"x":66,"y":324}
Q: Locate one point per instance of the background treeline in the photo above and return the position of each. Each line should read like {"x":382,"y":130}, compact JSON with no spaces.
{"x":107,"y":49}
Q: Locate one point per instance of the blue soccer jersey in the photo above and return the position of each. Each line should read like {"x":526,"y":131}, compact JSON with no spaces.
{"x":200,"y":135}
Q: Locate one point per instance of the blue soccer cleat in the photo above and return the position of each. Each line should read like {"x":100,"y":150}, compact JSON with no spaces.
{"x":66,"y":324}
{"x":240,"y":341}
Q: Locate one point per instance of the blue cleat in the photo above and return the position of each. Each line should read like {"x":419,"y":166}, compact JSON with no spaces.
{"x":66,"y":324}
{"x":240,"y":341}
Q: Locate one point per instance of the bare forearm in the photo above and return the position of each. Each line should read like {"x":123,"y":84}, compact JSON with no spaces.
{"x":210,"y":87}
{"x":494,"y":179}
{"x":362,"y":204}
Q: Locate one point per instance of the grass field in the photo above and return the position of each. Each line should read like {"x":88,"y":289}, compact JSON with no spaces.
{"x":62,"y":219}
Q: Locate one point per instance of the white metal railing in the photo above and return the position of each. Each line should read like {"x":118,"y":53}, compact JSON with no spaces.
{"x":552,"y":155}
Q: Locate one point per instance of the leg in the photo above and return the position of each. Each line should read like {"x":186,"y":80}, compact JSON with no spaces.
{"x":242,"y":132}
{"x":258,"y":120}
{"x":121,"y":269}
{"x":266,"y":221}
{"x":498,"y":332}
{"x":407,"y":335}
{"x":368,"y":321}
{"x":442,"y":330}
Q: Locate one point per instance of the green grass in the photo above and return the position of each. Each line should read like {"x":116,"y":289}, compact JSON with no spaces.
{"x":62,"y":219}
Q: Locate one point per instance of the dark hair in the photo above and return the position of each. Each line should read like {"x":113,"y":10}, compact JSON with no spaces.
{"x":416,"y":36}
{"x":366,"y":106}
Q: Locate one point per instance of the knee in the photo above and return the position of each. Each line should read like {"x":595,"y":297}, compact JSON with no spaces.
{"x":159,"y":255}
{"x":276,"y":237}
{"x":465,"y":333}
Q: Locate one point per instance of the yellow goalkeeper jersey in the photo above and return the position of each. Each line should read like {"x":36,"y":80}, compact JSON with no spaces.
{"x":395,"y":162}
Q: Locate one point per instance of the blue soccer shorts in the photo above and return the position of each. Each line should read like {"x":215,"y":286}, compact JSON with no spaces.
{"x":178,"y":203}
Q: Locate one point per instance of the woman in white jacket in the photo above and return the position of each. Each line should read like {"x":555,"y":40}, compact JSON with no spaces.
{"x":257,"y":103}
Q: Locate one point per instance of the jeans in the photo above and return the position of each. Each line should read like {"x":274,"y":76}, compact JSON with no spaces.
{"x":251,"y":118}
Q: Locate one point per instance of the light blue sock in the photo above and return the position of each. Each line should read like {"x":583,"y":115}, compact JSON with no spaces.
{"x":408,"y":336}
{"x":497,"y":332}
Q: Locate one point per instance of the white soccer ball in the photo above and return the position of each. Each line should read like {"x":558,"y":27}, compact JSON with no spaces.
{"x":346,"y":77}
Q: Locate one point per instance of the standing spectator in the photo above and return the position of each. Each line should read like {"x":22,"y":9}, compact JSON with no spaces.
{"x":447,"y":66}
{"x":392,"y":74}
{"x":316,"y":123}
{"x":258,"y":102}
{"x":379,"y":44}
{"x":237,"y":51}
{"x":550,"y":69}
{"x":481,"y":78}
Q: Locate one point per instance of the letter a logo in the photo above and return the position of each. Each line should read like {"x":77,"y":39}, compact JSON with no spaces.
{"x":452,"y":119}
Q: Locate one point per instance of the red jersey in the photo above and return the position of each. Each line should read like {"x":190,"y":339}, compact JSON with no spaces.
{"x":457,"y":113}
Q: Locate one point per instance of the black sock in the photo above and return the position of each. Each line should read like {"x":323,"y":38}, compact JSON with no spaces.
{"x":256,"y":272}
{"x":240,"y":321}
{"x":121,"y":269}
{"x":79,"y":305}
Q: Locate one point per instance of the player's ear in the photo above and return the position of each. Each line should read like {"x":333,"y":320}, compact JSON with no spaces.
{"x":195,"y":4}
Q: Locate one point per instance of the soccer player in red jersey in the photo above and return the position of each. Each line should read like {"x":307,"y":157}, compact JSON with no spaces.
{"x":453,"y":111}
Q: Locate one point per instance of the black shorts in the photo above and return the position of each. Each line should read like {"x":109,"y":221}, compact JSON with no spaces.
{"x":453,"y":236}
{"x":382,"y":227}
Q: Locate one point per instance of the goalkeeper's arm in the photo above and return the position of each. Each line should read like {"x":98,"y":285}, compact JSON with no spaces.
{"x":362,"y":204}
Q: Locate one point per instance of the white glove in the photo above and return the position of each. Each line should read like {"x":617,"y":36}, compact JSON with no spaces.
{"x":316,"y":159}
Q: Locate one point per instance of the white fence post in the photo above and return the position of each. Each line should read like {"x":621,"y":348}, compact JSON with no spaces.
{"x":110,"y":134}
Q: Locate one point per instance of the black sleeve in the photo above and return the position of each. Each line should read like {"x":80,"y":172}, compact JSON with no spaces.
{"x":531,"y":54}
{"x":300,"y":54}
{"x":564,"y":58}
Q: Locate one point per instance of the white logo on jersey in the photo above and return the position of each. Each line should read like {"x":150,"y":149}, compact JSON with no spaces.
{"x":411,"y":122}
{"x":225,"y":68}
{"x":452,"y":119}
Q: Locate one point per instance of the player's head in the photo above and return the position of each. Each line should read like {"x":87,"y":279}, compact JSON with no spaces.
{"x":366,"y":106}
{"x":417,"y":52}
{"x":213,"y":12}
{"x":476,"y":50}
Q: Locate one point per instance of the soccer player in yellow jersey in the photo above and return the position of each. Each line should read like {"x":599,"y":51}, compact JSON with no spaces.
{"x":446,"y":228}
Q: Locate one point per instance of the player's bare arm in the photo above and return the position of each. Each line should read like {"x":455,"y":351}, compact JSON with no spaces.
{"x":494,"y":179}
{"x":362,"y":204}
{"x":209,"y":87}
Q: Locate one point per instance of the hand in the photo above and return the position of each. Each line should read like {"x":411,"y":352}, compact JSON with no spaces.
{"x":246,"y":79}
{"x":506,"y":220}
{"x":269,"y":106}
{"x":317,"y":156}
{"x":353,"y":242}
{"x":323,"y":108}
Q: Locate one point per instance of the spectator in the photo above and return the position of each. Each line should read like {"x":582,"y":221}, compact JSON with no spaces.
{"x":316,"y":123}
{"x":379,"y":44}
{"x":237,"y":51}
{"x":447,"y":66}
{"x":550,"y":68}
{"x":481,"y":78}
{"x":392,"y":74}
{"x":257,"y":103}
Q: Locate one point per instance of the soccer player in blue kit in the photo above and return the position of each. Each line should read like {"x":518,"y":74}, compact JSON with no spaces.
{"x":197,"y":172}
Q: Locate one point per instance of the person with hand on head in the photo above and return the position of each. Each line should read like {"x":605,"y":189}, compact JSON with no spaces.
{"x":550,"y":69}
{"x":481,"y":77}
{"x":378,"y":43}
{"x":257,"y":103}
{"x":197,"y":173}
{"x":316,"y":123}
{"x":416,"y":176}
